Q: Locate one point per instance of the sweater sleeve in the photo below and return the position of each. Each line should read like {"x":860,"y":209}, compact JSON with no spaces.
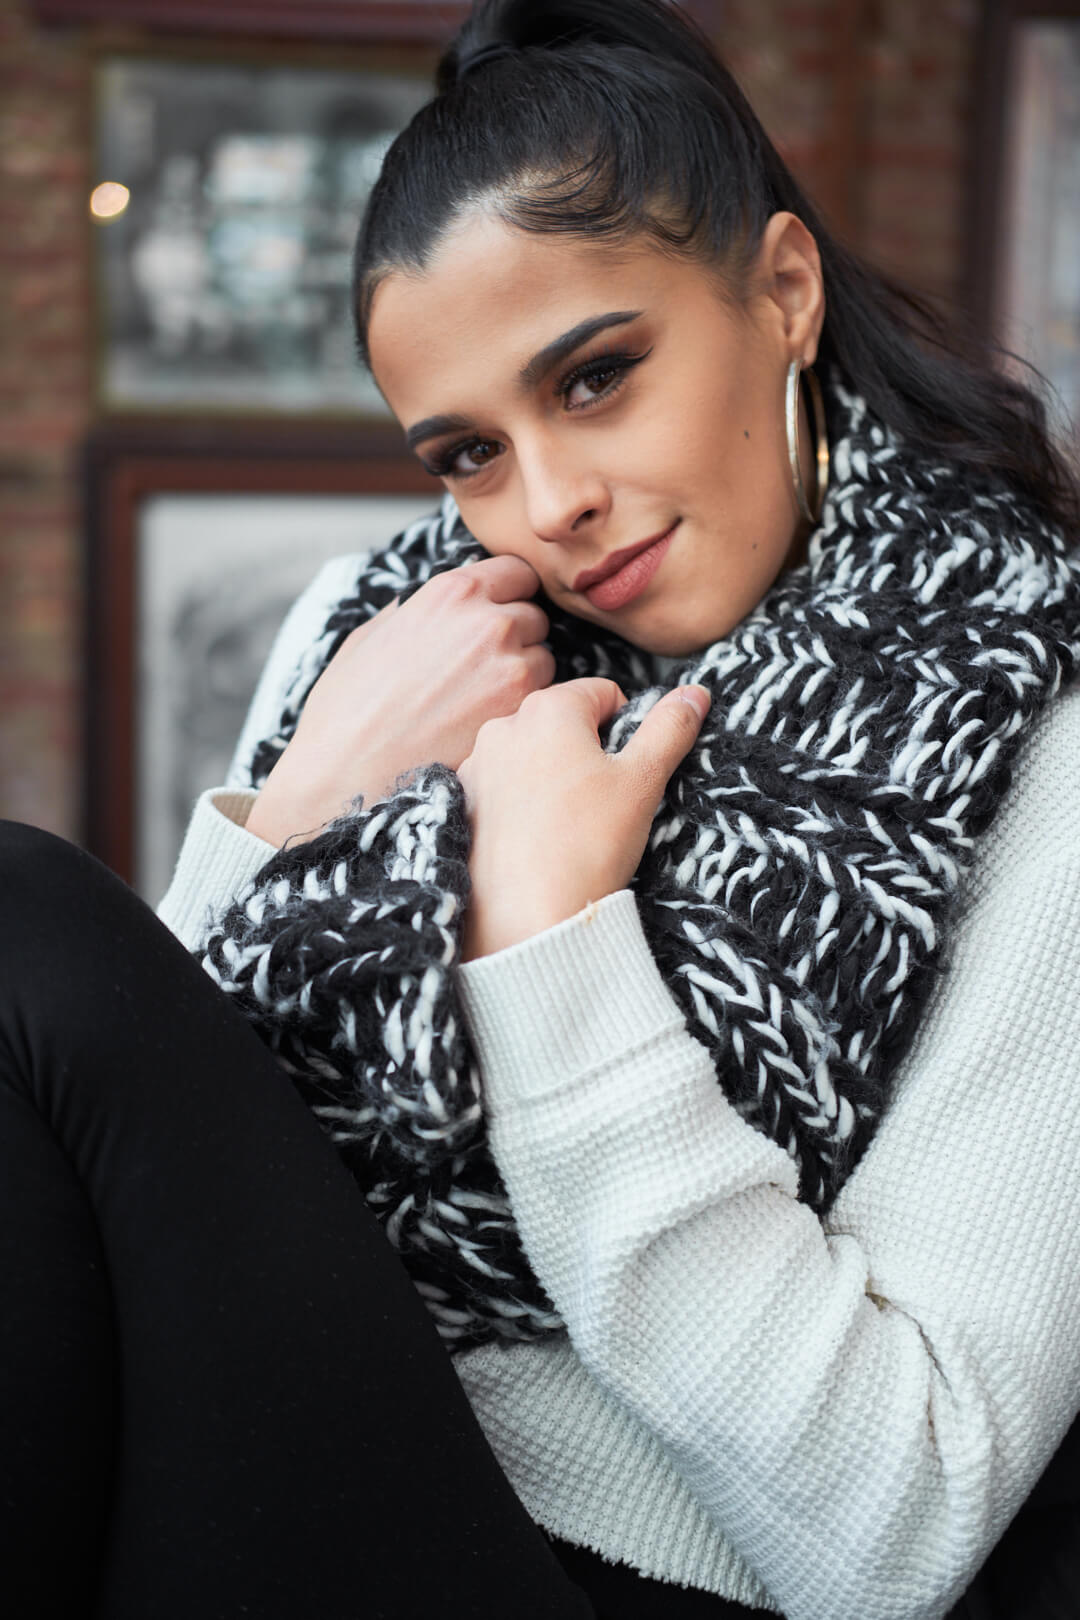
{"x":216,"y":859}
{"x":860,"y":1403}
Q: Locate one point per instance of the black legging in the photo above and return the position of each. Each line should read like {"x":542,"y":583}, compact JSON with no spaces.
{"x":220,"y":1394}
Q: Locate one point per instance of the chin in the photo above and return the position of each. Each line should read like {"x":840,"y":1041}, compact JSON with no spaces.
{"x":661,"y":633}
{"x":678,"y":639}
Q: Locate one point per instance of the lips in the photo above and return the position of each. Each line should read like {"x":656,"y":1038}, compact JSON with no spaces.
{"x":617,"y":560}
{"x":622,"y":587}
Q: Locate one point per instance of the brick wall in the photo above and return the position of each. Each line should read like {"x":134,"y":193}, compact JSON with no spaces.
{"x":868,"y":99}
{"x":44,"y":410}
{"x":919,"y":61}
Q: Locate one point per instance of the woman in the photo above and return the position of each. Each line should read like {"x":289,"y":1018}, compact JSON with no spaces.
{"x":799,"y":1341}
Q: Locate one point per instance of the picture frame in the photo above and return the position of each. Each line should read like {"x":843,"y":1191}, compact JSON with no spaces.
{"x":1023,"y":280}
{"x":427,"y":22}
{"x":228,"y":191}
{"x":424,"y":22}
{"x":194,"y":553}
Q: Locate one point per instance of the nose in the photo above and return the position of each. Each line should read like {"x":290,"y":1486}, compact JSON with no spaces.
{"x":566,"y":494}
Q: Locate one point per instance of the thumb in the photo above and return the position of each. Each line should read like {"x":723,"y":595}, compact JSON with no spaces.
{"x":668,"y":732}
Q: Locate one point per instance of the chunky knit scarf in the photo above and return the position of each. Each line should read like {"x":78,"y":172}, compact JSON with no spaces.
{"x":794,"y":891}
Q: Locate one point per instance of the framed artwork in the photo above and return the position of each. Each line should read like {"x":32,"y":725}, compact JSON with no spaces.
{"x":195,"y":555}
{"x":398,"y":21}
{"x":429,"y":22}
{"x":225,"y":208}
{"x":1026,"y":236}
{"x":1039,"y":289}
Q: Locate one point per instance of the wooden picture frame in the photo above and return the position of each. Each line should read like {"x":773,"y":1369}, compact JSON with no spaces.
{"x":395,"y":22}
{"x":136,"y":480}
{"x":228,"y":187}
{"x":997,"y":201}
{"x":405,"y":22}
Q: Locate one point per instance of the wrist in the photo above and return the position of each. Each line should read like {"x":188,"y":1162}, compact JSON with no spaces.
{"x":487,"y":932}
{"x":276,"y":821}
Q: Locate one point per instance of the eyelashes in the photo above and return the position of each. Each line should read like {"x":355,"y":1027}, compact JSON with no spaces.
{"x":608,"y":370}
{"x":595,"y":369}
{"x":444,"y":463}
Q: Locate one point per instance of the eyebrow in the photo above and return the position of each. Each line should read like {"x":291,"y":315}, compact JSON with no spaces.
{"x":532,"y":372}
{"x":547,"y":358}
{"x":431,"y":426}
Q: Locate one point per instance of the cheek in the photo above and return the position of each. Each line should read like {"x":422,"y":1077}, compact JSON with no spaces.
{"x":718,"y":439}
{"x":737,"y":467}
{"x":498,"y":522}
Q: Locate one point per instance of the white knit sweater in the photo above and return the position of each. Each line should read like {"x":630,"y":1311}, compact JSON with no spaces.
{"x":832,"y":1418}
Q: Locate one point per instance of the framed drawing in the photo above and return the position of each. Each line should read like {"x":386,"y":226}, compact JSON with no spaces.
{"x":1039,"y":288}
{"x":195,"y":556}
{"x":1026,"y":240}
{"x":227,"y":198}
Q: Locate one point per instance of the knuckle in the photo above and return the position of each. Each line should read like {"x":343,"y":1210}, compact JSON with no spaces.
{"x":537,"y":670}
{"x":500,"y":632}
{"x":520,"y":682}
{"x":491,"y":642}
{"x":519,"y":567}
{"x":455,"y":586}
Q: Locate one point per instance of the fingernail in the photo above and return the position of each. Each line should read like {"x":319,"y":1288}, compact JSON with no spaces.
{"x":697,"y":697}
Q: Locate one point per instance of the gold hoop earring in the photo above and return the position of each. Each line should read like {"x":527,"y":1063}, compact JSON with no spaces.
{"x":817,"y":404}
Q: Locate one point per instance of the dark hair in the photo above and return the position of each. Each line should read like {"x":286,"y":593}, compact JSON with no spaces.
{"x":607,"y":118}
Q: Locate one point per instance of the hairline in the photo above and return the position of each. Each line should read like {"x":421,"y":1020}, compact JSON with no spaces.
{"x":497,"y":203}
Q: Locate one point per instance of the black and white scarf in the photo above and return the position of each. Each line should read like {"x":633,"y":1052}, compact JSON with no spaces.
{"x":798,"y":878}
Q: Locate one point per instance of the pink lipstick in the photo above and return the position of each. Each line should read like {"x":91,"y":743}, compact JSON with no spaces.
{"x":625,"y":575}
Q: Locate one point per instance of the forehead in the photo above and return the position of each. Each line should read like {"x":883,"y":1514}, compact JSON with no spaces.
{"x":492,"y":296}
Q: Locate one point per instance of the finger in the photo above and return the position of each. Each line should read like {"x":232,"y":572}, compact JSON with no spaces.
{"x":506,"y":579}
{"x":667,"y":734}
{"x":540,"y":663}
{"x":598,"y":697}
{"x":531,"y":621}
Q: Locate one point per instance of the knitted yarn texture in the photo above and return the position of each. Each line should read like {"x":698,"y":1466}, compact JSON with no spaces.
{"x":797,"y":884}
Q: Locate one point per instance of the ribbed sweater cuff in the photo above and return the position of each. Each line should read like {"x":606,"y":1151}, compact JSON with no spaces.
{"x":217,"y":858}
{"x":570,"y":999}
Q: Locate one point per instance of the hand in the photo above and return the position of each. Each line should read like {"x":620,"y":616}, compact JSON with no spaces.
{"x":556,"y":822}
{"x":411,"y":687}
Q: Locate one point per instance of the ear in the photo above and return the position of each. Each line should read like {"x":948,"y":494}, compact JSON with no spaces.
{"x":788,"y":276}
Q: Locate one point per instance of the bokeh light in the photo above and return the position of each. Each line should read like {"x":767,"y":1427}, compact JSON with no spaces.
{"x":109,"y":199}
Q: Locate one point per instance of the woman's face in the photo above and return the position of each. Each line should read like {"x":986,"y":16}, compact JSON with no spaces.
{"x":605,"y":413}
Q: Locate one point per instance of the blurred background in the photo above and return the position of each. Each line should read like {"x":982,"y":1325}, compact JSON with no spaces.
{"x":184,"y":435}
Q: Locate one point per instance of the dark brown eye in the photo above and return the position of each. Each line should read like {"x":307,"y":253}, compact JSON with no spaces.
{"x":463,"y":460}
{"x":598,"y":379}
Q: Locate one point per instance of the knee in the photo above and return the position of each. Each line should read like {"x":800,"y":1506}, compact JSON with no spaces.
{"x":19,"y":843}
{"x":74,"y":932}
{"x":35,"y":863}
{"x":53,"y":891}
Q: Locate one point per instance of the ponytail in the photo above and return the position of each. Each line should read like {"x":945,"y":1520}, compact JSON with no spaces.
{"x":614,"y":118}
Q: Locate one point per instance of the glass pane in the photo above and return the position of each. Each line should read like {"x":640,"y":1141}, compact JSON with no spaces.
{"x":217,"y":574}
{"x":225,"y":279}
{"x":1041,"y":283}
